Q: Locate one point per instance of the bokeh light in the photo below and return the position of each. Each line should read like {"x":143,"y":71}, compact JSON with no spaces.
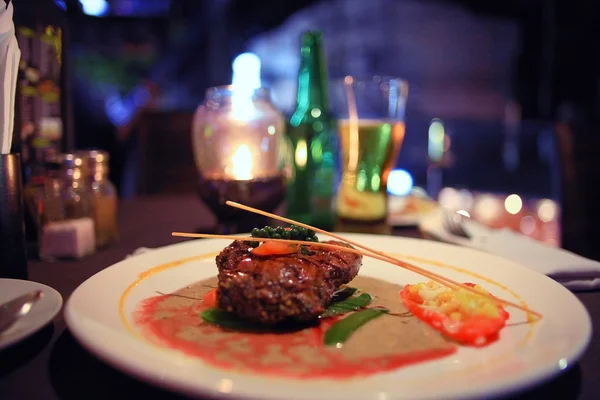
{"x":246,"y":72}
{"x":449,"y":199}
{"x":96,"y":8}
{"x":546,"y":210}
{"x":435,"y":147}
{"x":527,"y":225}
{"x":466,"y":199}
{"x":400,"y":182}
{"x":487,"y":208}
{"x":513,"y":204}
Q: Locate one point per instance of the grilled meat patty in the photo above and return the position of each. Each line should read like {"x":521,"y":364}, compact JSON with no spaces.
{"x":272,"y":289}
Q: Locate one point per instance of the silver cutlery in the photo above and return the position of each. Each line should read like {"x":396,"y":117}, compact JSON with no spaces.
{"x":453,"y":223}
{"x":13,"y":310}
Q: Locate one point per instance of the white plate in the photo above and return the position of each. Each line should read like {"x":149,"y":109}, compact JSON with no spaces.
{"x":41,"y":313}
{"x":99,"y":315}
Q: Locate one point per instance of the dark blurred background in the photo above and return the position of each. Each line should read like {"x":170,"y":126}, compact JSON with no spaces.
{"x":515,"y":82}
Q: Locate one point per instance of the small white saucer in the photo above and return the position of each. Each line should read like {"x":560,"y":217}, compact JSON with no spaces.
{"x":41,"y":313}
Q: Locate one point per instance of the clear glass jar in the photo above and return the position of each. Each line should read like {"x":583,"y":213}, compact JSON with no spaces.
{"x":76,"y":195}
{"x":241,"y":153}
{"x":104,"y":196}
{"x":239,"y":135}
{"x":67,"y":217}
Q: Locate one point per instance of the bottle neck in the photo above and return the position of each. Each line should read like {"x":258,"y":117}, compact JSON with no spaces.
{"x":312,"y":77}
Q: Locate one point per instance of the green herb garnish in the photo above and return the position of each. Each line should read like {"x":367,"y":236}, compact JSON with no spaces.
{"x":342,"y":330}
{"x":294,"y":232}
{"x":348,"y":305}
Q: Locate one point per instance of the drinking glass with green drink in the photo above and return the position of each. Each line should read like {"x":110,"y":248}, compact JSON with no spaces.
{"x":371,"y":131}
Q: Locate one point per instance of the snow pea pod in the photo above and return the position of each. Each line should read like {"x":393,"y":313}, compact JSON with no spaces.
{"x":343,"y":329}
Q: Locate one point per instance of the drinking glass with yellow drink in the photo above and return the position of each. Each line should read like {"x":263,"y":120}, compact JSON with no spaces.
{"x":371,"y":128}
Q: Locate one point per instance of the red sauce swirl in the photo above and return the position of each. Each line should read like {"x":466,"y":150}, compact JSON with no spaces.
{"x":299,"y":354}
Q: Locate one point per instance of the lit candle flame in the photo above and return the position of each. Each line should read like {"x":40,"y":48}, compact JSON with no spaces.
{"x":242,"y":163}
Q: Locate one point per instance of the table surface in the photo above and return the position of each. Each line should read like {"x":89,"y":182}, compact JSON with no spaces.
{"x":52,"y":365}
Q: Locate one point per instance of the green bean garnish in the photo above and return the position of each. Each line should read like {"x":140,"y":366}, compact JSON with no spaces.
{"x":348,"y":305}
{"x":343,"y":329}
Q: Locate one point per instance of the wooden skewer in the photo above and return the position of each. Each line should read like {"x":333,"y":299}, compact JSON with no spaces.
{"x":431,"y":275}
{"x":255,"y":239}
{"x":305,"y":243}
{"x":440,"y":279}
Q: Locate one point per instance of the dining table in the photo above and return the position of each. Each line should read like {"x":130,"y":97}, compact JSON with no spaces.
{"x":51,"y":364}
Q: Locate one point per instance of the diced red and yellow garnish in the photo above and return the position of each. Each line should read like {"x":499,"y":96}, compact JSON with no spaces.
{"x":458,"y":313}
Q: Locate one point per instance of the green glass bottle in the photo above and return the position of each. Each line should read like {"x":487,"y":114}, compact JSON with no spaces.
{"x":312,"y":132}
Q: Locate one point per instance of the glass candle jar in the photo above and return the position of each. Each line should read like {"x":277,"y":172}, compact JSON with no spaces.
{"x":240,"y":150}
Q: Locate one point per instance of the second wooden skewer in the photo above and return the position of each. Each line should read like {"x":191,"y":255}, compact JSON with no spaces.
{"x":413,"y":268}
{"x":436,"y":277}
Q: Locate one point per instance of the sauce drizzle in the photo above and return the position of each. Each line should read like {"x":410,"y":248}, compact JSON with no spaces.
{"x":300,"y":354}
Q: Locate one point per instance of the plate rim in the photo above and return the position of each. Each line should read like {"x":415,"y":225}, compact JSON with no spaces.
{"x":129,"y":367}
{"x":49,"y":317}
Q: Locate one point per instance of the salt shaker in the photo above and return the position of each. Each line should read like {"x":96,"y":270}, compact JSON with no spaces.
{"x":104,"y":196}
